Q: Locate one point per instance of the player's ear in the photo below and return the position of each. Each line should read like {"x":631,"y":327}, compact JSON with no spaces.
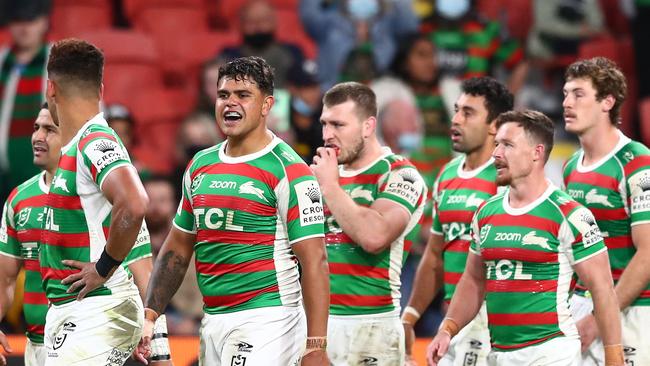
{"x":369,"y":126}
{"x":267,"y":105}
{"x":492,"y":128}
{"x":539,"y":152}
{"x":608,"y":103}
{"x":50,"y":92}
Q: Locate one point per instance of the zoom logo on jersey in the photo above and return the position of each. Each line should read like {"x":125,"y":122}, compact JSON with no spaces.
{"x":238,"y":360}
{"x":103,"y":152}
{"x":309,"y":203}
{"x":640,"y":191}
{"x":405,"y":184}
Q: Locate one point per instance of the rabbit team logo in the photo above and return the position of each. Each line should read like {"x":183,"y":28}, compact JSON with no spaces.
{"x":309,"y":203}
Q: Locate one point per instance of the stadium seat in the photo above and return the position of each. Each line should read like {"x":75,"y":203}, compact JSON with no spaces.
{"x":133,"y":7}
{"x":644,"y":118}
{"x":291,"y":30}
{"x":132,"y":63}
{"x":167,"y":19}
{"x":182,"y":54}
{"x":74,"y":19}
{"x":5,"y":37}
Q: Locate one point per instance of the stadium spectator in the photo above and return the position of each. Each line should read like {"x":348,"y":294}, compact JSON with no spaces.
{"x":258,"y":24}
{"x":208,"y":87}
{"x":359,"y":28}
{"x":306,"y":106}
{"x":22,"y":88}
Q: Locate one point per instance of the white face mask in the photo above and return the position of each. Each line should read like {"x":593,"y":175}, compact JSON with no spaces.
{"x":452,"y":9}
{"x":363,"y":9}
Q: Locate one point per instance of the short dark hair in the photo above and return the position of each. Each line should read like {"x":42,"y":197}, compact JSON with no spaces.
{"x":606,"y":77}
{"x":536,"y":125}
{"x":251,"y":68}
{"x":76,"y":64}
{"x":498,"y":98}
{"x":362,"y":96}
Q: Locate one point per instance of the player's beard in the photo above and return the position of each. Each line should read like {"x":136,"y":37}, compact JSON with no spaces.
{"x":350,"y":155}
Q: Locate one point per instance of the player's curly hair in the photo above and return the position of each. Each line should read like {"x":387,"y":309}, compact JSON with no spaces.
{"x":252,"y":68}
{"x":498,"y":98}
{"x":606,"y":77}
{"x":536,"y":125}
{"x":76,"y":65}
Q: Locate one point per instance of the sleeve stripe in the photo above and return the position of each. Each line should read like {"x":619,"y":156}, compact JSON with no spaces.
{"x":307,"y":237}
{"x":183,"y":230}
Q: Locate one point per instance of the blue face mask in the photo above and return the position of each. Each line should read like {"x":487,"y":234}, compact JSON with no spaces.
{"x":363,"y":9}
{"x":302,"y":107}
{"x":452,"y":9}
{"x":409,"y":142}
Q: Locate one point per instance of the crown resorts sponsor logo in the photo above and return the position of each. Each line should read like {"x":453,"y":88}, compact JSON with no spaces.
{"x":584,"y":221}
{"x":104,"y":152}
{"x":640,"y":191}
{"x":405,"y":184}
{"x":309,"y":203}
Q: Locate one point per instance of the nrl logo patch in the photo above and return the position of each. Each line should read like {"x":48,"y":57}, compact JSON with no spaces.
{"x":483,"y":234}
{"x":23,"y":217}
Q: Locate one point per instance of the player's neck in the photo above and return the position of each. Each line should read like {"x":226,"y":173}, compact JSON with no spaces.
{"x":526,"y":190}
{"x":478,"y":158}
{"x":371,"y":152}
{"x":598,"y":142}
{"x":251,"y":143}
{"x":73,"y":115}
{"x":49,"y":174}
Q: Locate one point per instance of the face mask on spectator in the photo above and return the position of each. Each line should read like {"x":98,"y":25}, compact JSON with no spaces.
{"x":363,"y":9}
{"x":452,"y":9}
{"x":300,"y":106}
{"x":258,"y":40}
{"x":409,"y":142}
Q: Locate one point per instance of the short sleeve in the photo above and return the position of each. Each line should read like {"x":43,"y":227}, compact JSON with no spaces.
{"x":300,"y":203}
{"x":586,"y":239}
{"x":436,"y":226}
{"x":142,"y":247}
{"x":638,"y":185}
{"x":184,"y":219}
{"x":405,"y":187}
{"x":102,"y":152}
{"x":477,"y":235}
{"x":9,"y":244}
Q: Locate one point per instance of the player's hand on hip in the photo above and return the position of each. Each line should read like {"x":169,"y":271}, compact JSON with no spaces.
{"x":315,"y":358}
{"x":6,"y":347}
{"x":84,"y":281}
{"x":325,"y":166}
{"x":588,"y":330}
{"x":437,"y":348}
{"x":143,"y":350}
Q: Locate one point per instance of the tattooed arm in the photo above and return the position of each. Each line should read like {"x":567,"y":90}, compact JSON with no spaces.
{"x":169,"y":269}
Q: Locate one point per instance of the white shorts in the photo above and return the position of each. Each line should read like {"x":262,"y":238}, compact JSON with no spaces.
{"x":560,"y":351}
{"x":635,"y":338}
{"x":365,"y":340}
{"x":35,"y":354}
{"x":99,"y":330}
{"x":273,"y":336}
{"x":471,"y":346}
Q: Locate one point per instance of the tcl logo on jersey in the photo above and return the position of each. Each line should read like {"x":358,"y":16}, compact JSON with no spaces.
{"x":506,"y":269}
{"x":640,"y":191}
{"x":214,"y":218}
{"x":104,"y":152}
{"x":456,"y":230}
{"x":49,"y":220}
{"x":309,"y":203}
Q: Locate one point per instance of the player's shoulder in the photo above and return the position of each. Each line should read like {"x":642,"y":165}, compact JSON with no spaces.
{"x":563,"y":203}
{"x":26,"y":189}
{"x":492,"y":205}
{"x":285,"y":154}
{"x":207,"y":156}
{"x":633,"y":156}
{"x":571,"y":163}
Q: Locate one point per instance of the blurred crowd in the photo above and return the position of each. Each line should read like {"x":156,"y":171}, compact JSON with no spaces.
{"x":163,"y":58}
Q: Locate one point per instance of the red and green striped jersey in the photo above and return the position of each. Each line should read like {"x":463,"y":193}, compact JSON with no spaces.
{"x":78,"y":215}
{"x":361,"y":282}
{"x":457,"y":194}
{"x":617,"y":190}
{"x":20,"y":232}
{"x":474,"y":48}
{"x":22,"y":92}
{"x":529,"y":254}
{"x":246,"y":213}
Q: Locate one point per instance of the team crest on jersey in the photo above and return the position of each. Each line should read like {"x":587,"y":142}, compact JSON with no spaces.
{"x":103,"y":152}
{"x":359,"y":192}
{"x":593,"y":197}
{"x":640,"y":191}
{"x":533,"y":239}
{"x":196,"y":182}
{"x":249,"y":188}
{"x":23,"y":216}
{"x":309,"y":203}
{"x":405,"y":184}
{"x":58,"y":182}
{"x":585,"y":222}
{"x":484,"y":232}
